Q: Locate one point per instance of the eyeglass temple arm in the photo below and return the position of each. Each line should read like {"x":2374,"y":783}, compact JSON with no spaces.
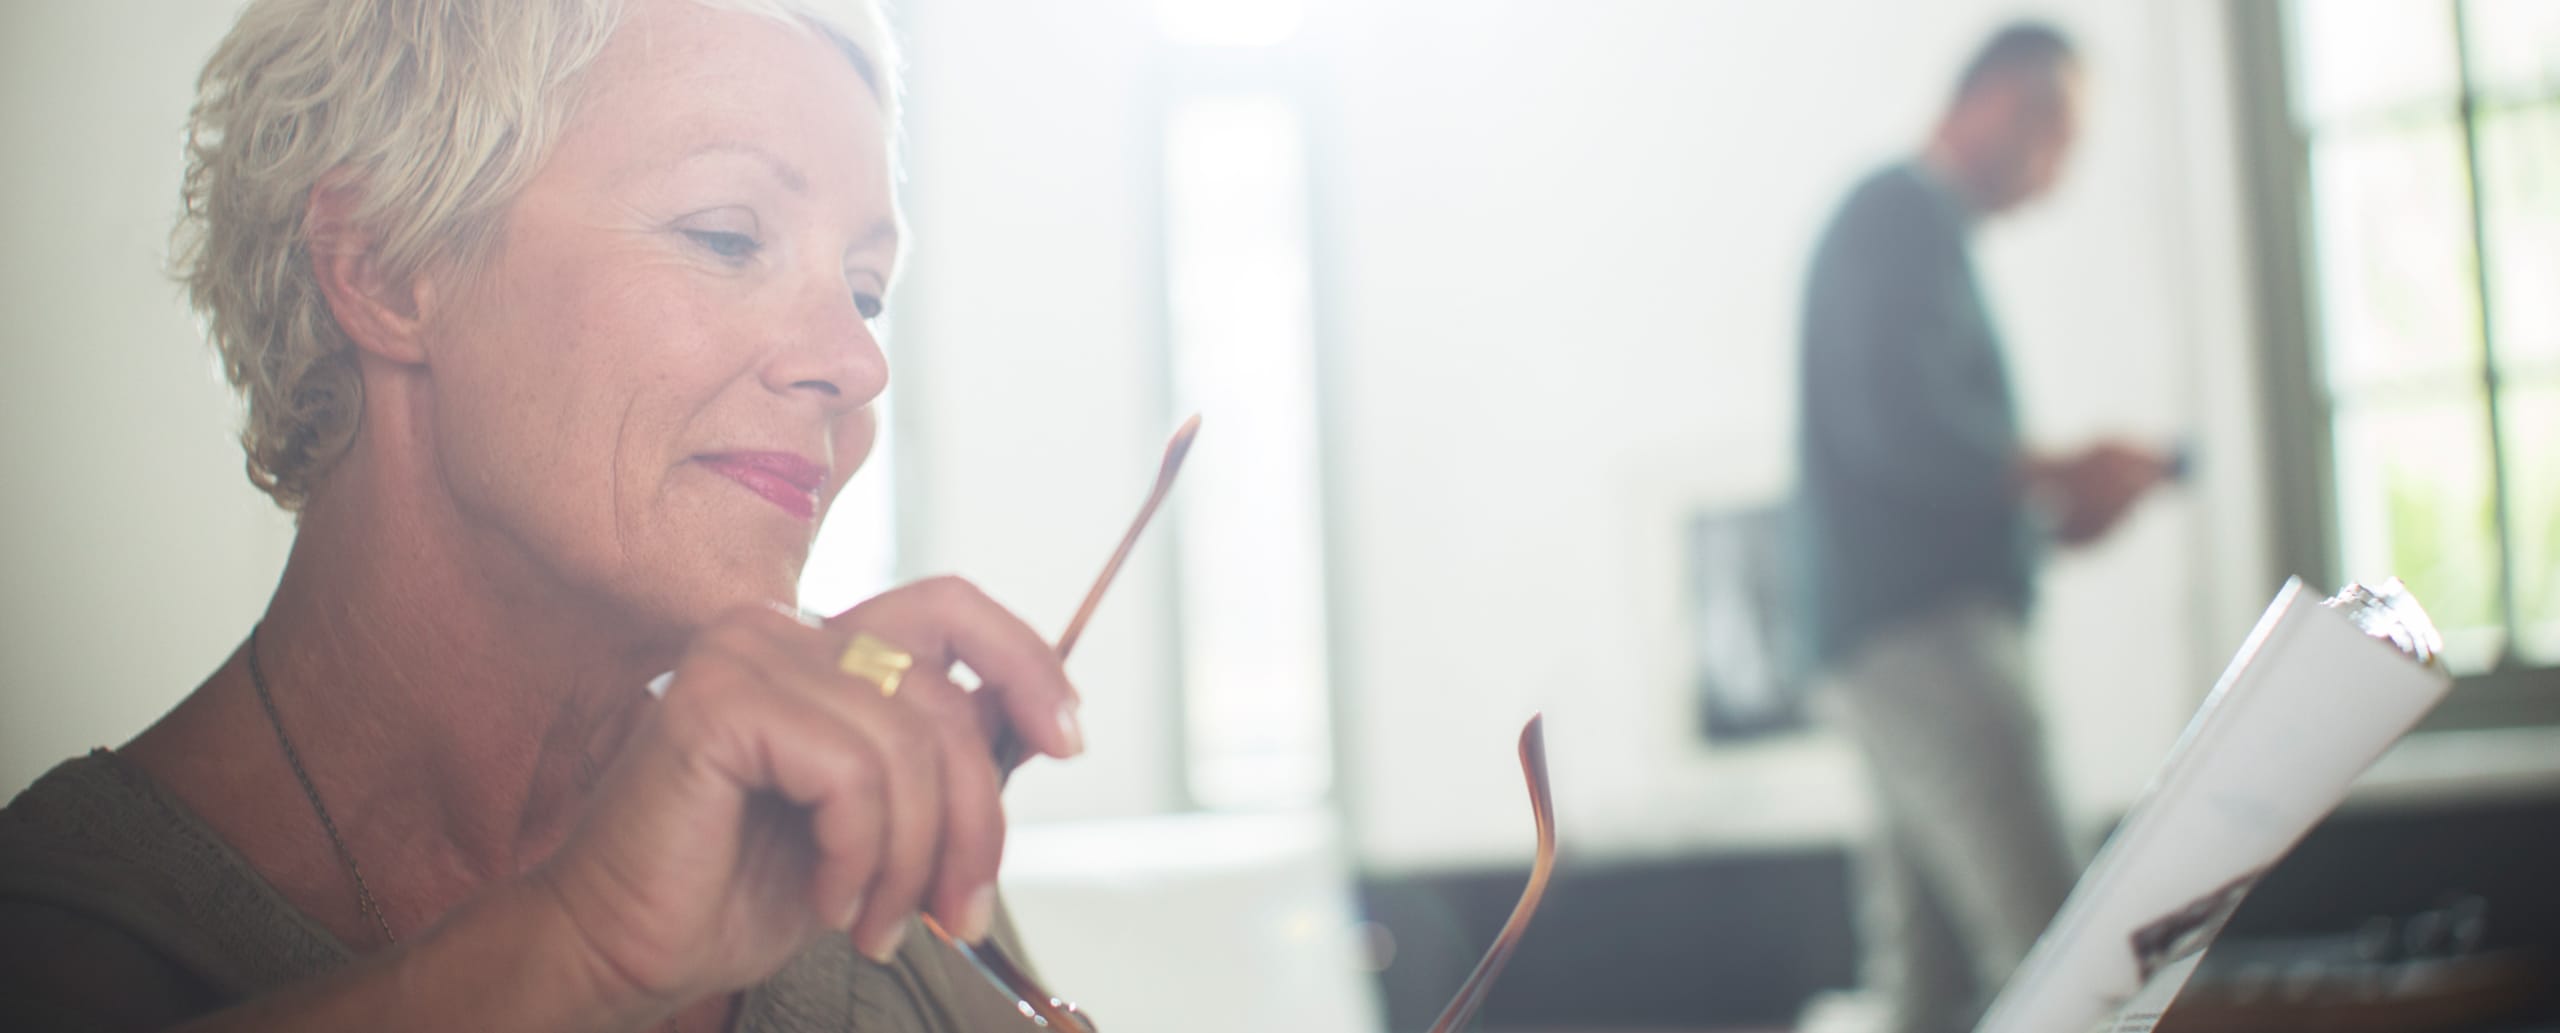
{"x":1479,"y":985}
{"x":1010,"y":750}
{"x":991,"y":962}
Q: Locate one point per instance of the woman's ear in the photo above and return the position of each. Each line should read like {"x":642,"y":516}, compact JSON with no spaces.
{"x":383,"y":317}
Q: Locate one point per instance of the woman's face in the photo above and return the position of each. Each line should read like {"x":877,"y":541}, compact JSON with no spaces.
{"x":659,"y":377}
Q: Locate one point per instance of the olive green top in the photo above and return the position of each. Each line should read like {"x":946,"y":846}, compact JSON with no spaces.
{"x":121,"y":910}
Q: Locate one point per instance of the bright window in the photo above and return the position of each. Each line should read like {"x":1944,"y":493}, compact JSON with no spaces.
{"x":1249,"y":540}
{"x":1251,"y":544}
{"x":2427,"y":136}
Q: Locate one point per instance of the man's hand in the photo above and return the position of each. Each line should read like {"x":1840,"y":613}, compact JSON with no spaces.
{"x":2090,"y":491}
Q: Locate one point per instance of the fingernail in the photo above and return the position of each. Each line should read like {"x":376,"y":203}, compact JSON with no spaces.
{"x":884,"y":948}
{"x":852,"y":911}
{"x":978,"y":916}
{"x":1068,"y":727}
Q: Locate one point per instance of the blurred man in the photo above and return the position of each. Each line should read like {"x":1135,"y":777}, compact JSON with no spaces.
{"x":1925,"y":517}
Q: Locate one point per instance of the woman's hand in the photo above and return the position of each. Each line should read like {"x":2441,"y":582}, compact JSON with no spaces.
{"x":771,"y":798}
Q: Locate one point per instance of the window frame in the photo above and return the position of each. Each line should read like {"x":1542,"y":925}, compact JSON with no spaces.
{"x":2299,"y":414}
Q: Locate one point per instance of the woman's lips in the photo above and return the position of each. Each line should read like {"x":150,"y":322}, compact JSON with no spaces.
{"x":784,"y":479}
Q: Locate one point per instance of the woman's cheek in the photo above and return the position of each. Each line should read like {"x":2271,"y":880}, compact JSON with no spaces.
{"x":856,"y":432}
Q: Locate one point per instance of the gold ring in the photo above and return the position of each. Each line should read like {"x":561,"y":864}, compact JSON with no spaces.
{"x":871,"y":658}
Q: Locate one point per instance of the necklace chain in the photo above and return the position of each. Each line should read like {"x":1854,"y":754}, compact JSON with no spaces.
{"x":311,"y":792}
{"x":293,"y":758}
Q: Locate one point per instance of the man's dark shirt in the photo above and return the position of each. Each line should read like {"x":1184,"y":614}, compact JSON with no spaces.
{"x":1908,"y":431}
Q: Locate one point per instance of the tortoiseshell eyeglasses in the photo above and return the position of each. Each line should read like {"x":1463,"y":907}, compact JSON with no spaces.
{"x":1048,"y":1011}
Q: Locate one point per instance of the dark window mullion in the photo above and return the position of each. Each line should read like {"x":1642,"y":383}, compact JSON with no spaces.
{"x":2542,"y":373}
{"x":2484,"y":293}
{"x":2403,"y":393}
{"x":2400,"y":118}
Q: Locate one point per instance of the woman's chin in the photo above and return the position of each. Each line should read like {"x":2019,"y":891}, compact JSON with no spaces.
{"x":682,"y":601}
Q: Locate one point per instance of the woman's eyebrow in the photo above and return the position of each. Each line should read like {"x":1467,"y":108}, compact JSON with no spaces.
{"x":784,"y":172}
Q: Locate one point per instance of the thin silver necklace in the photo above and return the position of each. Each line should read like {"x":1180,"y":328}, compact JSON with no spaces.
{"x":311,"y":792}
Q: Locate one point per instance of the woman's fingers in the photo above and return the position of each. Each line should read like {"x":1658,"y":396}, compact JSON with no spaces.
{"x":852,"y":809}
{"x":943,"y":849}
{"x":908,"y":794}
{"x":915,"y":822}
{"x":815,"y":761}
{"x":943,"y":620}
{"x":963,"y":892}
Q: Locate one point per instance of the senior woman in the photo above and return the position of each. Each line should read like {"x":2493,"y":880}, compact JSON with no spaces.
{"x":553,"y":319}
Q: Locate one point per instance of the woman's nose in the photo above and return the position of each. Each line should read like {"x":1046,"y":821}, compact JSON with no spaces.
{"x":832,"y":353}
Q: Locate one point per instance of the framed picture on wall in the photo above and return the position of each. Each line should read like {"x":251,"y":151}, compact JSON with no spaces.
{"x":1746,"y":656}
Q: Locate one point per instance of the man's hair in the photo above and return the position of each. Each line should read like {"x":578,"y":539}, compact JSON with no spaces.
{"x":2018,"y":46}
{"x":439,"y":111}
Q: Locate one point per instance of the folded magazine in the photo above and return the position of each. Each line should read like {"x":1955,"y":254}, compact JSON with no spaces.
{"x":2318,"y":692}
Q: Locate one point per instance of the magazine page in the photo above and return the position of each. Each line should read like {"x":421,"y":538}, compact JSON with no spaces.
{"x":2315,"y":695}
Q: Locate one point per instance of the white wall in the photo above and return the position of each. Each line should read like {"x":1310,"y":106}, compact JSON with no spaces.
{"x":1028,"y":364}
{"x":1571,"y":249}
{"x":1561,"y":250}
{"x":1560,"y":245}
{"x":136,"y":552}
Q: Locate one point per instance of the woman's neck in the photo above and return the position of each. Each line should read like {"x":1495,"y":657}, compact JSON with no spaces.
{"x":450,"y":700}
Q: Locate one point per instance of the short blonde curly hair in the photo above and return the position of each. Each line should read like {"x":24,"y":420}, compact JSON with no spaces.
{"x":442,"y":110}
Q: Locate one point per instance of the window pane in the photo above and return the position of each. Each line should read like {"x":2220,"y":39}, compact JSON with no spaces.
{"x":2391,"y":220}
{"x":1249,"y":528}
{"x":2414,"y":501}
{"x":2520,"y":182}
{"x":2532,"y":432}
{"x":2515,"y":46}
{"x":2358,"y":57}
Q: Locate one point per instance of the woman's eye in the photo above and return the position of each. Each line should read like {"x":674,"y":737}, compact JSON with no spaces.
{"x":732,"y":246}
{"x":868,"y":305}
